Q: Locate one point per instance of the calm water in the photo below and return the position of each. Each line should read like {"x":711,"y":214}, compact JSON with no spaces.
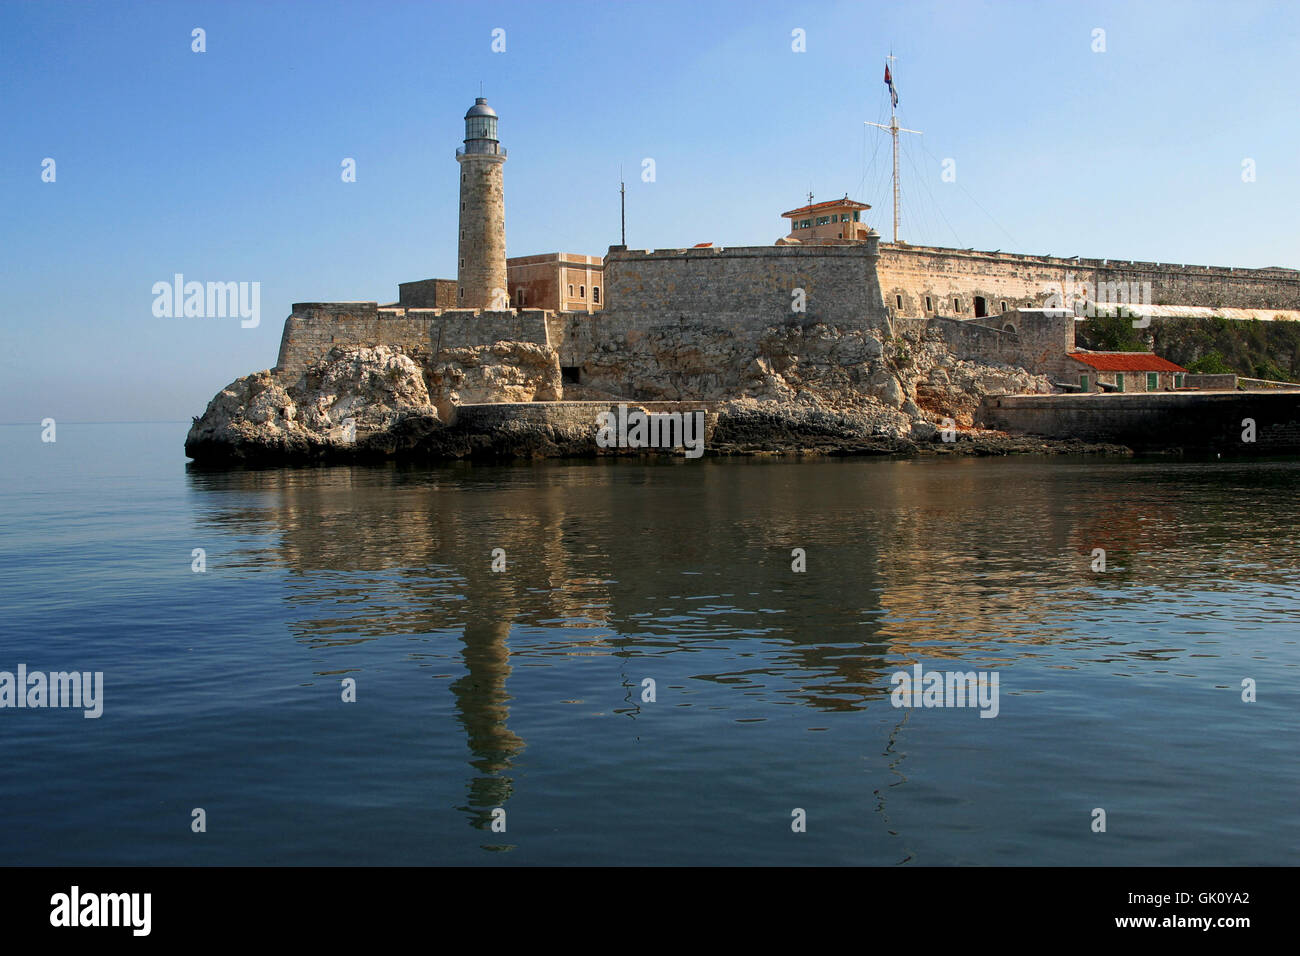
{"x":523,"y":689}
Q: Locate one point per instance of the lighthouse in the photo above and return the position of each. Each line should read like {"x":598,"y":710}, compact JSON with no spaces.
{"x":481,"y":270}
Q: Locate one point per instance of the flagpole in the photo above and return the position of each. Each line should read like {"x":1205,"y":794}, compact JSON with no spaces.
{"x":894,"y":129}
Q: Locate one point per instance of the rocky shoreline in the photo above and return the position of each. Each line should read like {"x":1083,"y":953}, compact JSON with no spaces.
{"x":814,"y":392}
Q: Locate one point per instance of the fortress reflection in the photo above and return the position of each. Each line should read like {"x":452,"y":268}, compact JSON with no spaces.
{"x":979,"y":562}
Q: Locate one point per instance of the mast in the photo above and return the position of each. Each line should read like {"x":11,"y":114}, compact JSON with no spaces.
{"x":894,"y":129}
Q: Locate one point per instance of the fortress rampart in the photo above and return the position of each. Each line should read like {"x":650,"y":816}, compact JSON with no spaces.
{"x":664,"y":303}
{"x":316,"y":327}
{"x":914,"y":272}
{"x":747,"y":287}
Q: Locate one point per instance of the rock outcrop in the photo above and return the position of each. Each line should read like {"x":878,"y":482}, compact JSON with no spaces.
{"x":813,"y":389}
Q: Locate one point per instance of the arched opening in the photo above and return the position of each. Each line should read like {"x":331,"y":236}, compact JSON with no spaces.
{"x":981,"y":307}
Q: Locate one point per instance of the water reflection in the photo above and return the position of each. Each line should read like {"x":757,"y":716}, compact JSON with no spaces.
{"x":986,"y":563}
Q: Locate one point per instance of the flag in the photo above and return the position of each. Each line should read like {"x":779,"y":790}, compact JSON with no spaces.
{"x":889,"y":81}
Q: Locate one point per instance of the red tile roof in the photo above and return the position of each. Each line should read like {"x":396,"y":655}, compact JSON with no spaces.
{"x":845,"y":203}
{"x":1125,"y":361}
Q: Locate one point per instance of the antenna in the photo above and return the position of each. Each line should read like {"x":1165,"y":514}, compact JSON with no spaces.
{"x":622,"y":209}
{"x":894,"y":129}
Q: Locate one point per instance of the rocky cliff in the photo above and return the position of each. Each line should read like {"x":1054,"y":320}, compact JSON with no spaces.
{"x":817,"y":389}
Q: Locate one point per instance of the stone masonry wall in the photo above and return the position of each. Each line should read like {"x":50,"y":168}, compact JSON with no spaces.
{"x":1034,"y":339}
{"x":316,"y":327}
{"x":427,"y":294}
{"x":1193,"y":421}
{"x":746,"y":287}
{"x":481,"y":271}
{"x":914,"y":272}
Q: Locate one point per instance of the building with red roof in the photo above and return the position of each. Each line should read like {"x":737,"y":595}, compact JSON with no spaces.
{"x":1125,"y":371}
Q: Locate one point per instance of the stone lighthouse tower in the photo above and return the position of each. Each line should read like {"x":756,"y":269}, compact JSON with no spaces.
{"x":481,"y":274}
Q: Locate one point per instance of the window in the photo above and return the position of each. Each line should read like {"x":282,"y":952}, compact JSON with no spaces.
{"x":1153,"y":381}
{"x":462,"y":263}
{"x":462,"y":207}
{"x":857,"y":215}
{"x":928,"y":306}
{"x":981,"y":307}
{"x":570,"y":290}
{"x":1119,"y":381}
{"x":582,"y":292}
{"x":481,"y":127}
{"x":462,"y":233}
{"x":460,"y":293}
{"x":1178,"y":380}
{"x":1004,"y":306}
{"x":956,"y":304}
{"x":1084,"y":384}
{"x":595,"y":293}
{"x":844,"y":217}
{"x":898,"y":300}
{"x":521,"y":296}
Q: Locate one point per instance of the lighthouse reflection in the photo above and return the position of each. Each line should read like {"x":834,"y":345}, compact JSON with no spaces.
{"x":482,"y":709}
{"x":681,"y":572}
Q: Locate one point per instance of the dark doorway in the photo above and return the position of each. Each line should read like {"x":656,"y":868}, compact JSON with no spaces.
{"x":570,"y":374}
{"x":981,"y":307}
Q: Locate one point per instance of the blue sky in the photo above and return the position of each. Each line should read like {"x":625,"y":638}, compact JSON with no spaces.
{"x":225,"y":165}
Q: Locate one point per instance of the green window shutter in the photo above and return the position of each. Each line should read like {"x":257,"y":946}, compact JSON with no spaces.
{"x":1153,"y":381}
{"x":1083,"y":382}
{"x":1119,"y":381}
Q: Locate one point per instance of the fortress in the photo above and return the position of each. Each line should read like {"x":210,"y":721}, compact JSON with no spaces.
{"x":824,"y":314}
{"x":987,"y":305}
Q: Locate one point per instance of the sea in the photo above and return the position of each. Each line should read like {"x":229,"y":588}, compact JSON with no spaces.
{"x":647,"y":662}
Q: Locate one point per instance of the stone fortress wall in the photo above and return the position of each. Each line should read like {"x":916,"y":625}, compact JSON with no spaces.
{"x":659,"y":301}
{"x":945,"y":275}
{"x":314,"y":328}
{"x":749,"y":285}
{"x":740,"y":290}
